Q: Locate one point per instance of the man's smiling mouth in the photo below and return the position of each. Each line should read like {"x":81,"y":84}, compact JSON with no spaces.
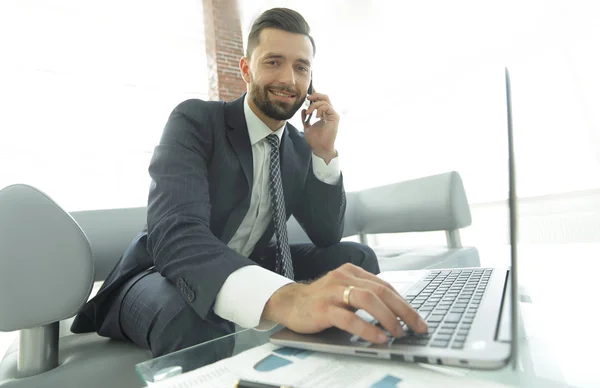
{"x":280,"y":93}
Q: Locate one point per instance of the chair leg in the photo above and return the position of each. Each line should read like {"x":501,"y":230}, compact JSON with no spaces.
{"x":453,"y":239}
{"x":38,"y":350}
{"x":363,"y":239}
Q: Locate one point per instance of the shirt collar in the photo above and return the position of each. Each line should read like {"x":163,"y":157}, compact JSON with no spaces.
{"x":257,"y":129}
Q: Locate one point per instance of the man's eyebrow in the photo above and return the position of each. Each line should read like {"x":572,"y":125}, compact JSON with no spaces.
{"x":280,"y":56}
{"x":273,"y":56}
{"x":304,"y":61}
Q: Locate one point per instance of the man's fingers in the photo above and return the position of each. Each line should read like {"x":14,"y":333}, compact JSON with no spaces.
{"x":351,"y":323}
{"x":317,"y":105}
{"x":389,"y":296}
{"x":365,"y":299}
{"x":319,"y":97}
{"x":397,"y":306}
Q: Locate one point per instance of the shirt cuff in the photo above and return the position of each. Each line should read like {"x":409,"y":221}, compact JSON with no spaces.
{"x":326,"y":173}
{"x":243,"y":296}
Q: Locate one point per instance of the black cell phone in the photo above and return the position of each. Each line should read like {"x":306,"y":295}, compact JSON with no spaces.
{"x":310,"y":91}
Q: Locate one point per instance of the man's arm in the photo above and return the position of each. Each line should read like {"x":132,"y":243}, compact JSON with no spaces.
{"x":243,"y":297}
{"x":323,"y":203}
{"x":184,"y":249}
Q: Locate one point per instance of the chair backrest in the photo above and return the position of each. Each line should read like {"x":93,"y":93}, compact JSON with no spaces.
{"x":44,"y":257}
{"x":110,"y":232}
{"x":433,"y":203}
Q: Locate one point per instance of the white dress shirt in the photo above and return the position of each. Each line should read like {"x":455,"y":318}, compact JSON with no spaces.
{"x":243,"y":296}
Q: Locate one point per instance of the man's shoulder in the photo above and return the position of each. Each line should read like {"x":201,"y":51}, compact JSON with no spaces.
{"x":197,"y":109}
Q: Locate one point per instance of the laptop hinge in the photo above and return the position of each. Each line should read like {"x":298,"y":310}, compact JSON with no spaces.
{"x":503,"y":322}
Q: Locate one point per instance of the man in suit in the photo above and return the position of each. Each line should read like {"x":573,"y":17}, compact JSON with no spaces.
{"x":225,"y":179}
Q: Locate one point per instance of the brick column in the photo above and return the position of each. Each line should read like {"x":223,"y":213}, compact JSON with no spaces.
{"x":224,"y":48}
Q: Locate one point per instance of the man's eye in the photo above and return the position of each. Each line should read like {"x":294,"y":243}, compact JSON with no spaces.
{"x":272,"y":63}
{"x":303,"y":69}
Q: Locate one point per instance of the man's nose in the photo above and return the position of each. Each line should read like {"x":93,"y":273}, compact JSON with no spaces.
{"x":288,"y":76}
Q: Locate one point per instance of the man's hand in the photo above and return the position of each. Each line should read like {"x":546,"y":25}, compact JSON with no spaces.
{"x":310,"y":308}
{"x":321,"y":135}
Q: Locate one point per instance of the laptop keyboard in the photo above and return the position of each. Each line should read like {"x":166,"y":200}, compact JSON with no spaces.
{"x":448,"y":301}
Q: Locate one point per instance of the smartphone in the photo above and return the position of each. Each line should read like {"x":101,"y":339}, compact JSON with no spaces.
{"x":310,"y":91}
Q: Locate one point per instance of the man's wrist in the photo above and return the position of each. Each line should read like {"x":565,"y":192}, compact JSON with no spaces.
{"x":279,"y":302}
{"x":326,"y":155}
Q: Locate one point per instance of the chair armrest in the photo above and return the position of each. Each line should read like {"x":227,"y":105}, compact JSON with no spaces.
{"x":432,"y":203}
{"x":46,"y":259}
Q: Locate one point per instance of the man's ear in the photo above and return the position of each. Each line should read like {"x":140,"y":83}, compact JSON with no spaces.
{"x":245,"y":69}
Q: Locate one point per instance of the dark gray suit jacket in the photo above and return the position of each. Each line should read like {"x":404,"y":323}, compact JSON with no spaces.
{"x":202,"y":177}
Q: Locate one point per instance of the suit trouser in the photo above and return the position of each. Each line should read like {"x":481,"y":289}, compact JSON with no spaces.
{"x":154,"y":315}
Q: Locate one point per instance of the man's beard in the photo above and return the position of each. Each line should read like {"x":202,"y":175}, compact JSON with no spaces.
{"x":277,"y":110}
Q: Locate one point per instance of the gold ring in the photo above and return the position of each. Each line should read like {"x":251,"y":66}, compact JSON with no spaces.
{"x":347,"y":292}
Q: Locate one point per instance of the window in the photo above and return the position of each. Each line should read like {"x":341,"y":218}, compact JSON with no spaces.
{"x":86,"y":91}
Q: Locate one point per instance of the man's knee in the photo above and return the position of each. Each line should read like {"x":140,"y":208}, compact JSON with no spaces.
{"x":185,"y":329}
{"x":360,"y":255}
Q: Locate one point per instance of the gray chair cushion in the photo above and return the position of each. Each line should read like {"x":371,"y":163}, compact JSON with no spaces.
{"x":46,"y":260}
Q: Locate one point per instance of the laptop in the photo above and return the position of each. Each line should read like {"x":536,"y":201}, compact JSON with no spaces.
{"x":471,"y":312}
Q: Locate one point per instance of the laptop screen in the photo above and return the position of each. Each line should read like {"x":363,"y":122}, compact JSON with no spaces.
{"x":512,"y":204}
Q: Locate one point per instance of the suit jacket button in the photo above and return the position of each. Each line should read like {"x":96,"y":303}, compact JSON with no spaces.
{"x":191,"y":296}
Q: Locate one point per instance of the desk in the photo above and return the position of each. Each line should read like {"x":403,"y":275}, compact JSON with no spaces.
{"x":559,"y":315}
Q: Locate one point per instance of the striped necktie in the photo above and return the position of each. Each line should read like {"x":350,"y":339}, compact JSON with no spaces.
{"x":283,"y":262}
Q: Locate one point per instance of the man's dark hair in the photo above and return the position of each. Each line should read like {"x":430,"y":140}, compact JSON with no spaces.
{"x":282,"y":19}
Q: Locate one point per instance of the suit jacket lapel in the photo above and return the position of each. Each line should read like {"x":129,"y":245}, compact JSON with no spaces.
{"x":237,"y":133}
{"x":288,"y":162}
